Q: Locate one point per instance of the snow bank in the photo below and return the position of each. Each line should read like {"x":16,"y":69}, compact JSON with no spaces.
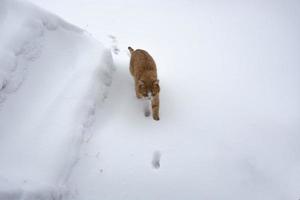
{"x":53,"y":76}
{"x":23,"y":28}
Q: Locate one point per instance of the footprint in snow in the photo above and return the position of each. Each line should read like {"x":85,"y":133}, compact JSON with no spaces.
{"x":114,"y":46}
{"x":156,"y":160}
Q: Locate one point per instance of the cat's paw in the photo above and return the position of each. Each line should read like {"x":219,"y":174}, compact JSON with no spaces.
{"x":156,"y":117}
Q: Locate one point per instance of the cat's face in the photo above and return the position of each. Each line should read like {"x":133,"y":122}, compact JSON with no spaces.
{"x":148,"y":90}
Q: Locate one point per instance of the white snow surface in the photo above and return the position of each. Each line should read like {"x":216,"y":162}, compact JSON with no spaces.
{"x":230,"y":91}
{"x":53,"y":78}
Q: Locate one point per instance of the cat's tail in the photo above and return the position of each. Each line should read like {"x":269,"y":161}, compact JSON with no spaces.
{"x":130,"y":49}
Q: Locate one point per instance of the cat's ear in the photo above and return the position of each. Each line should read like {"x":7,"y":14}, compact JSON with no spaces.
{"x":156,"y":82}
{"x":156,"y":86}
{"x":140,"y":82}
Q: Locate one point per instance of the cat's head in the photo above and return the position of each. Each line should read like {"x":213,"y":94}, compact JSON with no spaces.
{"x":148,"y":89}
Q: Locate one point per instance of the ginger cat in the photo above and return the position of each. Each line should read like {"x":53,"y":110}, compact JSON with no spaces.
{"x":143,"y":70}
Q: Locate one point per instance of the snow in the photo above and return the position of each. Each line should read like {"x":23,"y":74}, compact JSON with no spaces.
{"x":230,"y":92}
{"x":54,"y":77}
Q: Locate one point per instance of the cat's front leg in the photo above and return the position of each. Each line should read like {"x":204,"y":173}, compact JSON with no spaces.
{"x":155,"y":107}
{"x":146,"y":105}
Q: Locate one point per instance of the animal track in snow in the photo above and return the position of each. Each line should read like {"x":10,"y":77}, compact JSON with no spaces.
{"x":156,"y":160}
{"x":114,"y":46}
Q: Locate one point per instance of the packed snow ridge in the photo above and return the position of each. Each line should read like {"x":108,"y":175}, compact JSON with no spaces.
{"x":53,"y":77}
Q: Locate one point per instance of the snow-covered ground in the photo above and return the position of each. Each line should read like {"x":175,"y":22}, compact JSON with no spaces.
{"x":230,"y":112}
{"x":53,"y":76}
